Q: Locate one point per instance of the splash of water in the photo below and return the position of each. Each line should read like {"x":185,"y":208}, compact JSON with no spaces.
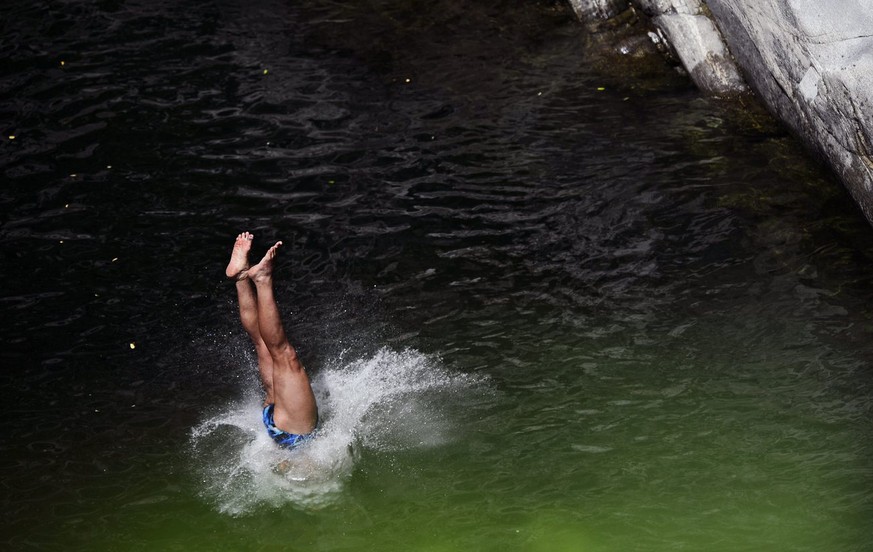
{"x":383,"y":403}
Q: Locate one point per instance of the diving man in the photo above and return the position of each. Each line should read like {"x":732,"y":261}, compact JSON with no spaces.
{"x":290,"y":412}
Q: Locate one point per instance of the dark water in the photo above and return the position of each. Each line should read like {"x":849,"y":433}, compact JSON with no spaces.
{"x":552,"y":299}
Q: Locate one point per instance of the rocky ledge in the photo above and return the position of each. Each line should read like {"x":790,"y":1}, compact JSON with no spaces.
{"x":811,"y":63}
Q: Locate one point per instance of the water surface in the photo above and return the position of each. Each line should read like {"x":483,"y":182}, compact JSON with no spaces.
{"x":551,"y":299}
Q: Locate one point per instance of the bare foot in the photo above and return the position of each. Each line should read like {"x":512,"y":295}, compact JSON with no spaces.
{"x":239,"y":258}
{"x":264,"y":269}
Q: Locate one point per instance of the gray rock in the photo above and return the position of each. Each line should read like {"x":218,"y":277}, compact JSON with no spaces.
{"x":598,"y":9}
{"x":702,"y":52}
{"x":688,"y":34}
{"x":811,"y":62}
{"x":654,"y":8}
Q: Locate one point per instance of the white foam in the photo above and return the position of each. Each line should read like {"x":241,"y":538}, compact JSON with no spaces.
{"x":388,"y":402}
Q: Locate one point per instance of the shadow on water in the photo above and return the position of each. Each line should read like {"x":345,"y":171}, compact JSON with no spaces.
{"x":551,"y":297}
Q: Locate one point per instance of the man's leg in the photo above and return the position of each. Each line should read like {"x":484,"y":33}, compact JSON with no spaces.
{"x":248,"y":309}
{"x":296,"y":410}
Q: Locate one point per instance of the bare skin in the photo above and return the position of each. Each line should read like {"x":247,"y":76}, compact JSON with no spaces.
{"x":284,"y":379}
{"x":239,"y":257}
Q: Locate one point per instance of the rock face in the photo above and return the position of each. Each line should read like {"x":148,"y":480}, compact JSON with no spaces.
{"x":812,"y":64}
{"x":810,"y":61}
{"x":598,"y":9}
{"x":685,"y":27}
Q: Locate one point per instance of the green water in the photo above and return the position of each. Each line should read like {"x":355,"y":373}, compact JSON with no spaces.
{"x":723,"y":432}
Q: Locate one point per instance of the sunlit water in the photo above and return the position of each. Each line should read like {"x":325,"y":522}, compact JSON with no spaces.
{"x":551,"y":298}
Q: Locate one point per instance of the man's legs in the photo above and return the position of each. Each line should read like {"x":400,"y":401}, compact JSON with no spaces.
{"x":296,"y":410}
{"x":248,"y":309}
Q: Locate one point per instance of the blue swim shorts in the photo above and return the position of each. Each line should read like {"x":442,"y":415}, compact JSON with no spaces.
{"x":282,"y":438}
